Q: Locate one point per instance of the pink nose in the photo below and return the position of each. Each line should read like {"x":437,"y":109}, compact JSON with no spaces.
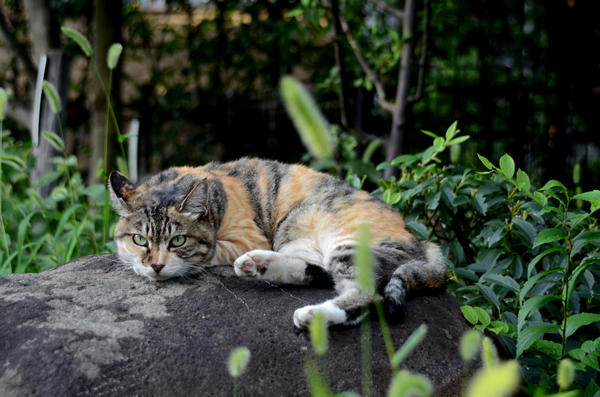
{"x":157,"y":268}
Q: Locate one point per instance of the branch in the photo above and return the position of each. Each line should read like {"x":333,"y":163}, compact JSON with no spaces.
{"x":398,"y":13}
{"x":365,"y":66}
{"x":423,"y":60}
{"x":20,"y":50}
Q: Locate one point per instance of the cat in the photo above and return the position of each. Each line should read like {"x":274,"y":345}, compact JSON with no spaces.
{"x":275,"y":222}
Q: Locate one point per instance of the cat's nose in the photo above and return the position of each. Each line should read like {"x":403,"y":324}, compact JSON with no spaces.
{"x":157,"y":268}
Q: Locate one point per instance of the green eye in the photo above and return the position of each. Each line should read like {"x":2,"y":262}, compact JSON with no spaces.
{"x":139,"y":240}
{"x":178,"y":241}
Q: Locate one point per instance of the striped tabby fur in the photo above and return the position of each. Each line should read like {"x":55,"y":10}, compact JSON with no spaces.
{"x":274,"y":222}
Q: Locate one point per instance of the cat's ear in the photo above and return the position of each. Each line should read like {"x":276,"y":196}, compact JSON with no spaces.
{"x":121,"y":190}
{"x":196,"y":201}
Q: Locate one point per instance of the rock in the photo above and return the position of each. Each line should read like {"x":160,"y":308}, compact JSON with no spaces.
{"x":91,"y":327}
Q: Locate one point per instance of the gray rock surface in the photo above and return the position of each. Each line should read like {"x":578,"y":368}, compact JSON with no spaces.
{"x":90,"y":327}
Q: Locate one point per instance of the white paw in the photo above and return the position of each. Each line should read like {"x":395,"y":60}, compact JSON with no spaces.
{"x":253,"y":264}
{"x":333,"y":314}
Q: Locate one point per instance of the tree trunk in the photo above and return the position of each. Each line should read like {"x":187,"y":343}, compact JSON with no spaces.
{"x":108,"y":23}
{"x":401,"y":106}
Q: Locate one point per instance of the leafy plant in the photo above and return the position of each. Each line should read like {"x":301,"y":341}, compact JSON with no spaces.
{"x":523,"y":260}
{"x":73,"y":221}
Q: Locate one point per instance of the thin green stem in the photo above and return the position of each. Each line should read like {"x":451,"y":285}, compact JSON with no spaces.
{"x":566,"y":289}
{"x":365,"y":343}
{"x":385,"y":330}
{"x":112,"y":112}
{"x":69,"y":180}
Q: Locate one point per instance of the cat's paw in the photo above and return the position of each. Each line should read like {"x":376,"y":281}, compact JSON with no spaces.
{"x":303,"y":317}
{"x":253,"y":264}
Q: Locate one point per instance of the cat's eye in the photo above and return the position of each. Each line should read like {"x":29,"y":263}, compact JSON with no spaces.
{"x":139,"y":240}
{"x":177,"y":241}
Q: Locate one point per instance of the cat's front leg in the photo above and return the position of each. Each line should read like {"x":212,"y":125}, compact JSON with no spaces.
{"x":271,"y":266}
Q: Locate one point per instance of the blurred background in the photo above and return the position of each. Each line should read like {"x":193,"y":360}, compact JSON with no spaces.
{"x":200,"y":78}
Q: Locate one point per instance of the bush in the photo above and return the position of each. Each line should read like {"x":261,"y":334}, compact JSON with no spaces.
{"x":523,"y":260}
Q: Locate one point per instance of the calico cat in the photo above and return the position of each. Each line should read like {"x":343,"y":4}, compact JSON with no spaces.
{"x":275,"y":222}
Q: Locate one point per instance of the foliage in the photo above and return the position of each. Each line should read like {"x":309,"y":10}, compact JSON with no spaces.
{"x":37,"y":232}
{"x":523,"y":260}
{"x":41,"y":233}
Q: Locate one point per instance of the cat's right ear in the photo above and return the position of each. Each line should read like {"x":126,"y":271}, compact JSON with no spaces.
{"x":196,"y":201}
{"x":120,"y":189}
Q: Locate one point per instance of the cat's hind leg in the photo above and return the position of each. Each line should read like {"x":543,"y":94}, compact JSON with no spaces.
{"x":346,"y":307}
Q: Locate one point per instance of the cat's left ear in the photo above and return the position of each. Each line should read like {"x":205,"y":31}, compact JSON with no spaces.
{"x":120,"y":190}
{"x":196,"y":201}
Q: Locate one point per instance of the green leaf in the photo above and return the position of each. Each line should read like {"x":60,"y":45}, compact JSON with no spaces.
{"x":531,"y":334}
{"x":451,"y":131}
{"x":507,"y":165}
{"x":384,"y":165}
{"x":418,"y":229}
{"x":503,"y":281}
{"x":406,"y":383}
{"x":579,"y":271}
{"x":592,"y":197}
{"x":238,"y":361}
{"x":80,"y":39}
{"x":533,"y":281}
{"x":565,"y":374}
{"x":405,"y":158}
{"x":3,"y":102}
{"x":309,"y":121}
{"x":392,"y":198}
{"x":525,"y":230}
{"x":52,"y":96}
{"x":576,"y":321}
{"x":470,"y":314}
{"x":22,"y":231}
{"x":552,"y":349}
{"x":486,"y":162}
{"x":438,"y":143}
{"x":540,"y":199}
{"x":66,"y":215}
{"x":553,"y":183}
{"x":523,"y":182}
{"x":411,"y":344}
{"x":483,"y":316}
{"x":123,"y":138}
{"x":431,"y":134}
{"x":584,"y":239}
{"x":13,"y":161}
{"x":591,"y":360}
{"x":549,"y":236}
{"x":543,"y":254}
{"x":470,"y":343}
{"x":499,"y":326}
{"x":55,"y":141}
{"x":531,"y":305}
{"x":489,"y":294}
{"x":495,"y":381}
{"x":114,"y":52}
{"x":458,"y":140}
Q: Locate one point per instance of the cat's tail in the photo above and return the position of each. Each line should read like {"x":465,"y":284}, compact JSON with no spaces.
{"x":425,"y":267}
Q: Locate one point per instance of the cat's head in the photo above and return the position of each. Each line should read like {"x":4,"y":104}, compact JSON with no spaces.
{"x":165,"y":229}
